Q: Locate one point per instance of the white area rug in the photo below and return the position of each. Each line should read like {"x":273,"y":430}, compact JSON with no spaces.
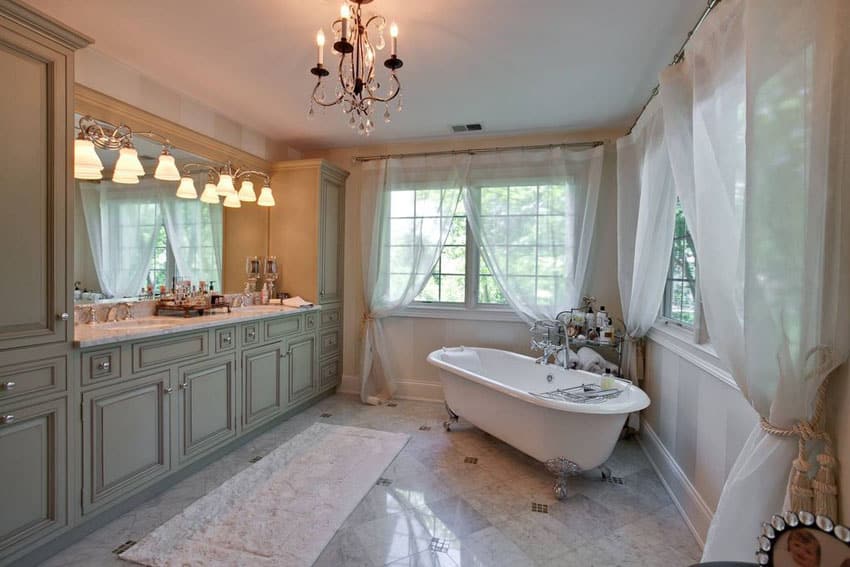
{"x":283,"y":510}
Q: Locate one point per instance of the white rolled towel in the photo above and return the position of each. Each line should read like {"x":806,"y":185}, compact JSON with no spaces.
{"x":592,"y":361}
{"x":573,"y":358}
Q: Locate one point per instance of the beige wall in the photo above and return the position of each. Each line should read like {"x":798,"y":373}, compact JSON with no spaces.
{"x":414,"y":338}
{"x":105,"y":74}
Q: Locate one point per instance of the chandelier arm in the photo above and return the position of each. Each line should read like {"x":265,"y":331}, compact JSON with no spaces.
{"x":190,"y":168}
{"x":376,"y":17}
{"x":319,"y":102}
{"x":392,"y":95}
{"x":249,"y":172}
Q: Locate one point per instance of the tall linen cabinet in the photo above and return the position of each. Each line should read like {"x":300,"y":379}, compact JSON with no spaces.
{"x":37,"y":434}
{"x":307,"y":234}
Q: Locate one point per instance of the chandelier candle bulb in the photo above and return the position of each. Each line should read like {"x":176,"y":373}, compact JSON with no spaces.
{"x":344,"y":14}
{"x":394,"y":36}
{"x":320,"y":42}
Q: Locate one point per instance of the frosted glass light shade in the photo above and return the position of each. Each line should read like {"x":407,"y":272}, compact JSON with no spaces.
{"x":87,"y":164}
{"x":246,"y":192}
{"x":210,"y":195}
{"x":232,"y":201}
{"x":266,"y":198}
{"x":186,"y":189}
{"x":225,"y":185}
{"x":128,"y":163}
{"x":166,"y":169}
{"x":125,"y":178}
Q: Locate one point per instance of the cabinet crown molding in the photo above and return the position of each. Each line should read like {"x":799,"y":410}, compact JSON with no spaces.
{"x":43,"y":24}
{"x":320,"y":164}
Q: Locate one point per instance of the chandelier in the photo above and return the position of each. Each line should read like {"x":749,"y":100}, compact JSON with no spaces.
{"x":358,"y":89}
{"x":128,"y":168}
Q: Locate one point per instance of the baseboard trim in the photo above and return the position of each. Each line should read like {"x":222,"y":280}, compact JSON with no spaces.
{"x":691,"y":506}
{"x":419,"y":390}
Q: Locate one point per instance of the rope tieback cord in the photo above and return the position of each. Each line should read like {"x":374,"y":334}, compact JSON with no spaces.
{"x":818,"y":494}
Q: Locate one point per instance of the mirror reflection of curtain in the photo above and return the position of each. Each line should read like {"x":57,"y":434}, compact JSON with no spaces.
{"x":194,"y":232}
{"x":122,"y":224}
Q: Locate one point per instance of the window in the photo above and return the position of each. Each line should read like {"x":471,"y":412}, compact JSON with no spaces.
{"x":525,"y":224}
{"x":162,"y":263}
{"x":680,"y":293}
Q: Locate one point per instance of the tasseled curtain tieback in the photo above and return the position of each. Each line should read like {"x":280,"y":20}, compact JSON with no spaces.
{"x":820,"y":494}
{"x":364,"y":322}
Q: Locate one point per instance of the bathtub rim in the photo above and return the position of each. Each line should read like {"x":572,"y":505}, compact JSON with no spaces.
{"x":641,"y":402}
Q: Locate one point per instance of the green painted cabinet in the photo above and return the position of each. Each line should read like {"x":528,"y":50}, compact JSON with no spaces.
{"x":126,"y":437}
{"x":262,"y":384}
{"x":206,"y":406}
{"x":33,"y":440}
{"x":300,"y":368}
{"x":331,"y":232}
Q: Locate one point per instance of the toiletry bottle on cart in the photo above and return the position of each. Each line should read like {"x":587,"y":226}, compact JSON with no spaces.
{"x":601,"y":317}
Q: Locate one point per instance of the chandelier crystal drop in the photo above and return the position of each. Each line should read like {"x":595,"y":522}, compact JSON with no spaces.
{"x":358,"y":86}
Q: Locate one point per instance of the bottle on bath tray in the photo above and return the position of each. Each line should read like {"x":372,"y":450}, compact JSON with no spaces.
{"x":607,"y":382}
{"x":601,"y":317}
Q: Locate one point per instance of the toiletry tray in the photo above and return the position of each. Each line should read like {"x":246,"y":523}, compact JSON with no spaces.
{"x":187,"y":309}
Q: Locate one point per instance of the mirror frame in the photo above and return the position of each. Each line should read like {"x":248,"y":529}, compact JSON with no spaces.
{"x":241,"y":235}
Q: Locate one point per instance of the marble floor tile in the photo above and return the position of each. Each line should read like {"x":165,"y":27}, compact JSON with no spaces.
{"x":481,"y":512}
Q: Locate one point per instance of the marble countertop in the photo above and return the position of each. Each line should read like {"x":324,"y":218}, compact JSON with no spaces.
{"x":153,"y":326}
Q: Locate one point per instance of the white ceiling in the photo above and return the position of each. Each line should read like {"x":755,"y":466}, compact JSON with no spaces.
{"x":521,"y":65}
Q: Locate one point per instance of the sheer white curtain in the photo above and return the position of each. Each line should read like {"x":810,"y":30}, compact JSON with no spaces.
{"x":758,"y":133}
{"x":122,"y":225}
{"x":646,"y":202}
{"x":407,"y":206}
{"x":194,"y":232}
{"x":533,"y":214}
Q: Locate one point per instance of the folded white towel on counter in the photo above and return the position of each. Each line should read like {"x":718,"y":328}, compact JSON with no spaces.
{"x":296,"y":301}
{"x":592,"y":361}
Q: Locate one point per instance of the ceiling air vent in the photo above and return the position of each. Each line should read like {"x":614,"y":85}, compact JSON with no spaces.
{"x":457,"y":128}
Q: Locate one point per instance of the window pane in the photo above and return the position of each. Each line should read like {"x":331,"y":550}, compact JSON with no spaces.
{"x":494,"y":201}
{"x":429,"y":202}
{"x":431,"y":292}
{"x":453,"y":260}
{"x":522,"y":230}
{"x":457,"y":233}
{"x":523,"y":200}
{"x":489,"y":291}
{"x":452,"y":289}
{"x":680,"y":291}
{"x":522,"y":260}
{"x":401,"y":203}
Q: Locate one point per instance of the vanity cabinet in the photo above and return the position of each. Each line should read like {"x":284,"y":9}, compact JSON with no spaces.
{"x":206,"y":406}
{"x":126,"y":437}
{"x":36,"y":104}
{"x":300,"y":368}
{"x":263,"y":387}
{"x":33,"y":441}
{"x":308,"y":237}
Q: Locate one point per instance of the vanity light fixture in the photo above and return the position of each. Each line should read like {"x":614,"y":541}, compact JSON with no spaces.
{"x":358,"y":86}
{"x":128,"y":168}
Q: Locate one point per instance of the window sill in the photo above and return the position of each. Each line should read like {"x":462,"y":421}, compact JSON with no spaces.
{"x":681,"y":341}
{"x":460,"y":312}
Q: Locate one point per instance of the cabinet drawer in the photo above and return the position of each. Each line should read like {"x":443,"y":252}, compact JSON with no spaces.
{"x":164,"y":351}
{"x":225,"y":339}
{"x":250,"y":334}
{"x":101,"y":365}
{"x":330,"y":316}
{"x":277,"y":328}
{"x":35,"y":377}
{"x":329,"y":342}
{"x":310,"y":320}
{"x":329,"y":373}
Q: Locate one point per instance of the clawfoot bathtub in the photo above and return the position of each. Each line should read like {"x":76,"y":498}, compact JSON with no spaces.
{"x":495,"y":391}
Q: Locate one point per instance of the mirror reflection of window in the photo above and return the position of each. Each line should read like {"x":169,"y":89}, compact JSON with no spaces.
{"x":134,"y":235}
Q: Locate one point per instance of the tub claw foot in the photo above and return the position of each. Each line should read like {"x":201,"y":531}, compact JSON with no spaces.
{"x":606,"y":472}
{"x":562,"y":468}
{"x":453,"y":418}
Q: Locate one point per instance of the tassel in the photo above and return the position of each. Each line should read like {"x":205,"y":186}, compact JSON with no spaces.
{"x":825,"y":489}
{"x":800,"y":487}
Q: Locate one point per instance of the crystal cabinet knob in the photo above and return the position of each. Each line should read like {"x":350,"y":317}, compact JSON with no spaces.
{"x":64,"y":316}
{"x":104,"y":365}
{"x":184,"y":385}
{"x":168,"y":390}
{"x":7,"y":419}
{"x":8,"y":386}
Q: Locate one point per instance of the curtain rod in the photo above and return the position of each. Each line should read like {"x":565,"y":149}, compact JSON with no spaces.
{"x":680,"y":54}
{"x":591,"y":144}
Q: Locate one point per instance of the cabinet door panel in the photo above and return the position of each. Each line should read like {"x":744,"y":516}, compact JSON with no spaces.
{"x":34,"y":177}
{"x":330,"y":246}
{"x":32,"y":502}
{"x":208,"y":406}
{"x":301,"y":368}
{"x":262,"y":391}
{"x":126,"y":434}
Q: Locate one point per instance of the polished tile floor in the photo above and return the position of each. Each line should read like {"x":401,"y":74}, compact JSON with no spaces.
{"x":453,"y":499}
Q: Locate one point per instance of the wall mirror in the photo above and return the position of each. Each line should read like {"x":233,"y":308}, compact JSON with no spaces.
{"x":130,"y":238}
